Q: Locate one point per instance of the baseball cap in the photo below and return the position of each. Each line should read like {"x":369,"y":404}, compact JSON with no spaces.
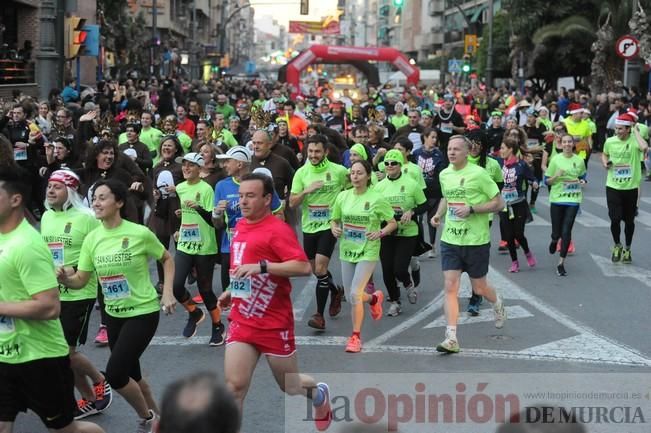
{"x":192,"y":157}
{"x":394,"y":155}
{"x":238,"y":153}
{"x":265,"y":171}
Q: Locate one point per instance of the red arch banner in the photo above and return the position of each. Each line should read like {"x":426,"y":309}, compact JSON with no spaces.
{"x":318,"y":53}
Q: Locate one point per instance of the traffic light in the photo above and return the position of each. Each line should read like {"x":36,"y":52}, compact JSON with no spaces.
{"x":398,"y":3}
{"x":305,"y":7}
{"x":76,"y":36}
{"x":466,"y":68}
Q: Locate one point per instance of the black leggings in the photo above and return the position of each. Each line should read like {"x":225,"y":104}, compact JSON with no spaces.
{"x":165,"y":240}
{"x":128,"y":339}
{"x":538,"y":174}
{"x":513,"y":228}
{"x":563,"y":217}
{"x":621,"y":207}
{"x":225,"y":271}
{"x":395,"y":255}
{"x":205,"y":266}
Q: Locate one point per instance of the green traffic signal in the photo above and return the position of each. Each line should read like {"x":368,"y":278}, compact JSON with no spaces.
{"x":398,"y":3}
{"x":465,"y":68}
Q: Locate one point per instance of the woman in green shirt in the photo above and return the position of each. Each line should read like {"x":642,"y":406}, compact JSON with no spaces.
{"x":356,"y":218}
{"x":566,"y":176}
{"x":118,"y":251}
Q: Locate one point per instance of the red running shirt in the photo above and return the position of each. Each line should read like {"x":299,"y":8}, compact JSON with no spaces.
{"x":269,"y":306}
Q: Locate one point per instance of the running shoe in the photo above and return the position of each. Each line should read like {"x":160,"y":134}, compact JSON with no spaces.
{"x":533,"y":208}
{"x":431,"y":253}
{"x":101,"y":339}
{"x":217,"y":336}
{"x":617,"y":254}
{"x":558,"y":245}
{"x":503,"y":248}
{"x":560,"y":271}
{"x":194,"y":318}
{"x":394,"y":309}
{"x":85,"y":408}
{"x":571,"y":249}
{"x":531,"y":259}
{"x":500,"y":312}
{"x":198,"y":299}
{"x":317,"y":322}
{"x":323,"y":412}
{"x":448,"y":345}
{"x":147,"y":425}
{"x":354,"y":344}
{"x":552,"y":247}
{"x":415,"y":274}
{"x":376,"y":309}
{"x":626,"y":256}
{"x":473,"y":304}
{"x":515,"y":267}
{"x":412,"y":294}
{"x":103,"y":395}
{"x":335,"y":301}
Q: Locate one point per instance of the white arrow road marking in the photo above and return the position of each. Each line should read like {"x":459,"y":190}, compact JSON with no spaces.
{"x":610,"y":269}
{"x":304,"y":299}
{"x":486,"y":315}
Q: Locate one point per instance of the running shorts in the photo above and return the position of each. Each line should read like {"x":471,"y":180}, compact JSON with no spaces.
{"x":322,"y":242}
{"x":271,"y":342}
{"x":472,"y":259}
{"x":46,"y":386}
{"x":74,"y":319}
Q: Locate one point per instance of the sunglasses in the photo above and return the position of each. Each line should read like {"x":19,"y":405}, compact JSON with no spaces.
{"x":391,"y":163}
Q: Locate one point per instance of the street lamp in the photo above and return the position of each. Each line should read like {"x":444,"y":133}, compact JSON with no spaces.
{"x":224,"y":24}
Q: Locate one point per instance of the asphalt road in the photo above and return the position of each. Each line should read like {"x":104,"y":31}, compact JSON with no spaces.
{"x":595,"y":320}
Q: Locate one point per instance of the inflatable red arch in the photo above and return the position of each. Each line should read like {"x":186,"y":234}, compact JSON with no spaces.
{"x":339,"y":54}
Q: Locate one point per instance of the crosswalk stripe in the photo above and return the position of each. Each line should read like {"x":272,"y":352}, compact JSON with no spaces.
{"x":643,"y":217}
{"x":585,"y":218}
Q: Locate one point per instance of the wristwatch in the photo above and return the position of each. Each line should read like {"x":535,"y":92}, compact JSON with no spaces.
{"x":263,"y":266}
{"x":472,"y":210}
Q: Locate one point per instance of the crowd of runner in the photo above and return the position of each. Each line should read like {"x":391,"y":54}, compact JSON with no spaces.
{"x":93,"y":186}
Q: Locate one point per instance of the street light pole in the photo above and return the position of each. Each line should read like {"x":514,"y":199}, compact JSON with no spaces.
{"x":489,"y":51}
{"x":224,"y":24}
{"x":154,"y":19}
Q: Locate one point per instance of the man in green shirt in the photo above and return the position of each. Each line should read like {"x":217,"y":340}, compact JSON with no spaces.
{"x":315,"y":187}
{"x":223,"y":107}
{"x":223,"y":137}
{"x":35,"y":368}
{"x":622,"y":157}
{"x":469,"y":196}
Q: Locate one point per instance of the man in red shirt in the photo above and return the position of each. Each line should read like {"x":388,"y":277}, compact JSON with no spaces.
{"x":264,"y":255}
{"x":184,"y":123}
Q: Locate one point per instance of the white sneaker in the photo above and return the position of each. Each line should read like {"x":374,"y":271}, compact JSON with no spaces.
{"x":412,"y":294}
{"x":147,"y":425}
{"x":431,"y":253}
{"x":500,"y":313}
{"x":449,"y":345}
{"x":394,"y":309}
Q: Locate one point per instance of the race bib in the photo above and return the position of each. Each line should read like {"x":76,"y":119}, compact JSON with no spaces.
{"x":115,"y":287}
{"x":319,"y":213}
{"x":622,"y":172}
{"x":509,"y":194}
{"x":7,"y":325}
{"x":240,"y":287}
{"x":56,"y":248}
{"x":20,"y":154}
{"x":190,"y":233}
{"x":446,"y":128}
{"x":571,"y":187}
{"x":354,"y":233}
{"x":452,"y":211}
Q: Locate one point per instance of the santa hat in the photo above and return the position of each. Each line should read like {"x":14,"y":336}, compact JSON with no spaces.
{"x":633,"y":112}
{"x":575,"y":108}
{"x":625,"y":119}
{"x":66,"y":177}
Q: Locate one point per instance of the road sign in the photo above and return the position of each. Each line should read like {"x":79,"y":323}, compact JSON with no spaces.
{"x":454,"y":66}
{"x":627,"y":47}
{"x":92,"y":40}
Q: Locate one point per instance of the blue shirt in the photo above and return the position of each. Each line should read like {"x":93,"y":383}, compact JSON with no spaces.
{"x":228,"y":189}
{"x":69,"y":94}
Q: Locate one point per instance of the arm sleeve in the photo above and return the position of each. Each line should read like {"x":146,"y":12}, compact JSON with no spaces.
{"x":36,"y":269}
{"x":86,"y":255}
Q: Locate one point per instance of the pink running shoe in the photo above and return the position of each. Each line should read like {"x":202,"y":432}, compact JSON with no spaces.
{"x":376,"y":309}
{"x":515,"y":267}
{"x":101,"y":339}
{"x":323,"y":413}
{"x":572,"y":248}
{"x":531,"y":259}
{"x":354,"y":344}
